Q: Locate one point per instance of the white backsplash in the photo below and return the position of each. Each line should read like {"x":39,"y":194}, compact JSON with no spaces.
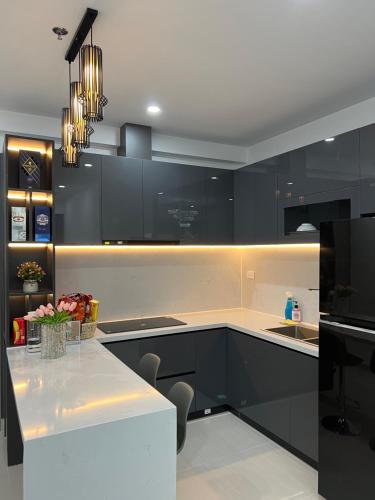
{"x":145,"y":282}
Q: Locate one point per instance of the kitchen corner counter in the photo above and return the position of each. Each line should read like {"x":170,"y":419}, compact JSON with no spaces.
{"x":242,"y":320}
{"x":91,"y":428}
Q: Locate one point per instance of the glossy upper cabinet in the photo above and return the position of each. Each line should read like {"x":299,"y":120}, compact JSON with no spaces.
{"x":122,"y":204}
{"x":367,"y":169}
{"x":174,"y":207}
{"x":320,"y":167}
{"x":77,"y":201}
{"x":255,"y":202}
{"x":219,"y":190}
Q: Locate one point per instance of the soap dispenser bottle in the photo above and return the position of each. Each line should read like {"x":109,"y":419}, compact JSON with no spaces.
{"x":296,"y":313}
{"x":289,"y":306}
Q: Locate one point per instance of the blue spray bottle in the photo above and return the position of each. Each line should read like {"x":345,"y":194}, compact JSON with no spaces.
{"x":289,"y":306}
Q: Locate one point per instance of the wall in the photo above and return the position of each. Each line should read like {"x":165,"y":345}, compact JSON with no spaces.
{"x":131,"y":282}
{"x":277,"y":270}
{"x":146,"y":282}
{"x":350,"y":118}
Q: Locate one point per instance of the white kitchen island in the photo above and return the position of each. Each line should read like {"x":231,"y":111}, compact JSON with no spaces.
{"x":91,"y":428}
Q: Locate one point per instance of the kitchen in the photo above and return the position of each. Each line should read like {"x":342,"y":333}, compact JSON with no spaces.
{"x":213,"y":260}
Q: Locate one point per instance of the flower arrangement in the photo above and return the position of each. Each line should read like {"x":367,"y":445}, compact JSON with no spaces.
{"x":30,"y":271}
{"x":51,"y":315}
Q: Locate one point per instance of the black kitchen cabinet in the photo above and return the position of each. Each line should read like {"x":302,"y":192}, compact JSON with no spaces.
{"x":211,"y":369}
{"x":255,"y":199}
{"x":164,"y":385}
{"x":122,"y":204}
{"x":174,"y":204}
{"x":126,"y":351}
{"x":276,"y":388}
{"x":176,"y":353}
{"x":77,"y":201}
{"x":219,"y":201}
{"x":314,"y":209}
{"x":367,"y":169}
{"x":320,"y":167}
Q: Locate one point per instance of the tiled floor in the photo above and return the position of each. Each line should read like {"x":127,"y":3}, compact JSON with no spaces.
{"x":223,"y":459}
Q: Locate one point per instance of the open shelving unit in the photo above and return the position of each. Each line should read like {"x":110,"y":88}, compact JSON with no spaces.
{"x":14,"y":301}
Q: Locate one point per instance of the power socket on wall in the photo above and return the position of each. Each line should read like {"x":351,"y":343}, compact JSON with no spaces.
{"x":250,"y":275}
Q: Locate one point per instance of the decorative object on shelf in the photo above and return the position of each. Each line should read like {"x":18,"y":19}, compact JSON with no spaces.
{"x":53,"y":327}
{"x":42,"y":224}
{"x":81,"y":127}
{"x":91,"y":76}
{"x":18,"y":224}
{"x":306,"y":226}
{"x":29,"y":169}
{"x":18,"y":331}
{"x":31,"y":273}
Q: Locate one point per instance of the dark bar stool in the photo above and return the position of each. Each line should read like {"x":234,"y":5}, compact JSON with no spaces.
{"x":181,"y":395}
{"x":148,"y":367}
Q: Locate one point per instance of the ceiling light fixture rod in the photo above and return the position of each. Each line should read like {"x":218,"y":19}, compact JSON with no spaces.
{"x":81,"y":34}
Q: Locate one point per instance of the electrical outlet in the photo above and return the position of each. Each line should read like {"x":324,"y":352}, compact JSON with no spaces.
{"x":207,"y":411}
{"x":250,"y":275}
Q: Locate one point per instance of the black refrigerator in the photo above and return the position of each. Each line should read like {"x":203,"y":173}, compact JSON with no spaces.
{"x":347,"y":360}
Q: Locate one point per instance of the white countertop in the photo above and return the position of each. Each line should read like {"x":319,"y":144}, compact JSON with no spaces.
{"x":87,"y":387}
{"x":243,"y":320}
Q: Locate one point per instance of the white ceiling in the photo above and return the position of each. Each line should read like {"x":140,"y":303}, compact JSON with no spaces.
{"x":232,"y":71}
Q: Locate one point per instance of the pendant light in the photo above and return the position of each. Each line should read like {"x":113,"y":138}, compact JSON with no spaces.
{"x":81,"y":128}
{"x":69,"y":149}
{"x":91,"y":77}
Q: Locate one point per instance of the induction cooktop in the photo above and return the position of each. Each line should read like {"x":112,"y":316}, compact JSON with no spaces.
{"x":131,"y":325}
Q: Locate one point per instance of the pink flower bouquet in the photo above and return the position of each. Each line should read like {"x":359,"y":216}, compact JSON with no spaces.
{"x":51,"y":315}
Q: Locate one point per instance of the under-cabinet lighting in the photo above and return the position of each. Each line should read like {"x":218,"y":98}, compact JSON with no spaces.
{"x":17,"y":196}
{"x":180,"y":248}
{"x":27,"y":148}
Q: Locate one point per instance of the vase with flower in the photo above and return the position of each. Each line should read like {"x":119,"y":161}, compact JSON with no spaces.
{"x":31,"y":273}
{"x":52,"y":322}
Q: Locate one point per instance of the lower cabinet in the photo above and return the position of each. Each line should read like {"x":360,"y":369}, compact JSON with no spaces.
{"x":211,"y":368}
{"x":276,"y":388}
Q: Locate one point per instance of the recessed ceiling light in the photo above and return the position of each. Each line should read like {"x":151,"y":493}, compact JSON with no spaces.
{"x":62,"y":187}
{"x":330,"y":139}
{"x":88,"y":165}
{"x":154,"y":110}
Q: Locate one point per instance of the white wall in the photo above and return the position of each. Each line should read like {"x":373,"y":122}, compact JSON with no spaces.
{"x":106,"y":139}
{"x":145,"y":282}
{"x":347,"y":119}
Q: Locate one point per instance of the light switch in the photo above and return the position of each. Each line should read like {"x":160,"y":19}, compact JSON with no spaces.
{"x":250,"y":275}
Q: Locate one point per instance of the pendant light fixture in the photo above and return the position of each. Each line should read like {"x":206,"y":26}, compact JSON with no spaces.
{"x":69,"y":149}
{"x":91,"y":77}
{"x":81,"y":127}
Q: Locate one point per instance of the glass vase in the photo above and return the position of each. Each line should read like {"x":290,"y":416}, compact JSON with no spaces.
{"x":53,"y":338}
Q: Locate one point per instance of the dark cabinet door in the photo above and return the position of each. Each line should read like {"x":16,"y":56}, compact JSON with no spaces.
{"x":164,"y":385}
{"x":255,"y":198}
{"x":77,"y":201}
{"x":259,"y":383}
{"x":127,"y":351}
{"x":320,"y":167}
{"x":314,"y":209}
{"x":367,"y":169}
{"x":304,"y":410}
{"x":219,"y":206}
{"x":176,"y":352}
{"x":122,"y":210}
{"x":174,"y":202}
{"x":211,"y":374}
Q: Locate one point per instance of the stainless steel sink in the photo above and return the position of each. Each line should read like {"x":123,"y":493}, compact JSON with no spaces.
{"x":297,"y":332}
